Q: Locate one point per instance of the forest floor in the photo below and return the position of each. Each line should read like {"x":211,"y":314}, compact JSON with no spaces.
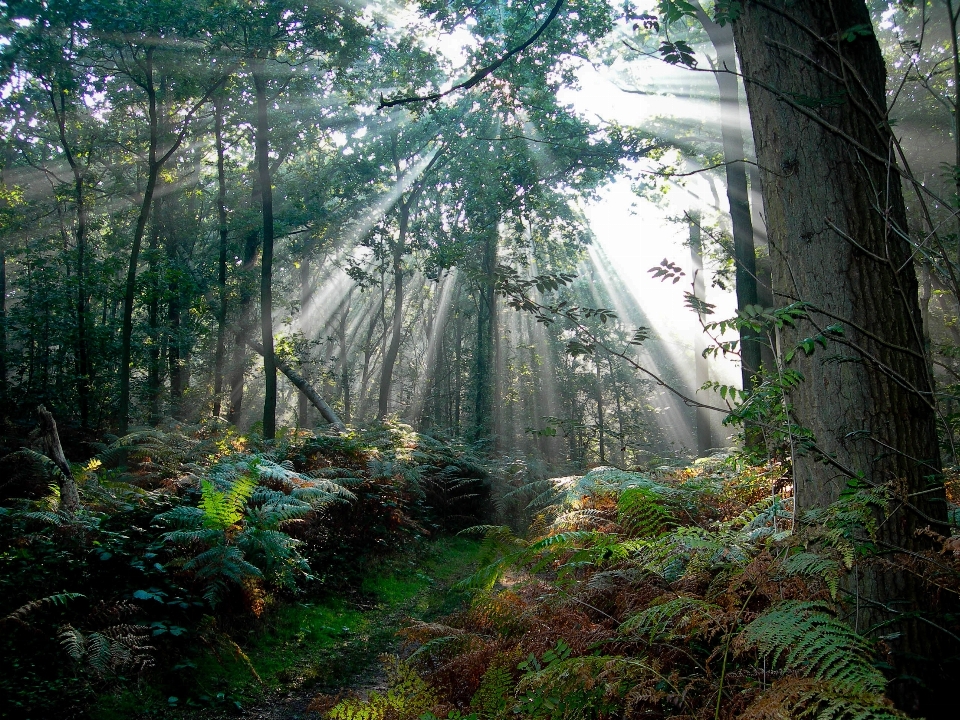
{"x":312,"y":652}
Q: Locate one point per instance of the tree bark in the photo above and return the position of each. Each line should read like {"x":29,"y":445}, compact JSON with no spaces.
{"x":390,"y":359}
{"x":266,"y":259}
{"x":80,"y":236}
{"x":154,"y":165}
{"x":836,"y":223}
{"x":50,"y":438}
{"x":485,"y":355}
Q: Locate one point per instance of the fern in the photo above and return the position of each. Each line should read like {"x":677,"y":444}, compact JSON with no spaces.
{"x":408,"y":697}
{"x":806,"y":638}
{"x":811,"y":564}
{"x":663,"y":621}
{"x":23,"y":611}
{"x":494,"y":698}
{"x":113,"y":650}
{"x":642,"y":512}
{"x":223,"y":510}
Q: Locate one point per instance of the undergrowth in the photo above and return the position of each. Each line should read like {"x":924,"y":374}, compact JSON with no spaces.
{"x":196,"y":548}
{"x":686,"y":594}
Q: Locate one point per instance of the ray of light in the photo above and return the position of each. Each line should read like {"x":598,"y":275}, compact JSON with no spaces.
{"x":437,"y":325}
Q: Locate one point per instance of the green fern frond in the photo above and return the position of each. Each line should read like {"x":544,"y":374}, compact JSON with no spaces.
{"x":494,"y":699}
{"x":668,"y":619}
{"x":48,"y":465}
{"x":643,"y":513}
{"x":807,"y":638}
{"x":182,"y":517}
{"x":811,"y":564}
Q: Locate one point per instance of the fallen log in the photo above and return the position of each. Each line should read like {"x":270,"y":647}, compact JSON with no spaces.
{"x":303,"y":386}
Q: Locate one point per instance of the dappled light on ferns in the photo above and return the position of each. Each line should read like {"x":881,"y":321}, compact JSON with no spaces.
{"x":240,"y":524}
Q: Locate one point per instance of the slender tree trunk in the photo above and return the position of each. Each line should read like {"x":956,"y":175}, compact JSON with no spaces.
{"x":836,"y":222}
{"x":80,"y":236}
{"x":221,"y":351}
{"x":154,"y":165}
{"x":954,"y":18}
{"x":153,"y":315}
{"x":738,"y":197}
{"x":484,"y":370}
{"x":251,"y":251}
{"x":704,"y":430}
{"x":303,"y":386}
{"x":390,"y":358}
{"x":344,"y":358}
{"x":266,"y":260}
{"x":600,"y":429}
{"x":306,"y":287}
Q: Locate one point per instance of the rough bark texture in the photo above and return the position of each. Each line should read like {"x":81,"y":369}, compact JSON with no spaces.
{"x":835,"y":218}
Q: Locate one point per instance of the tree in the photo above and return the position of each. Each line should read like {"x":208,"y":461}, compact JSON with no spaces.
{"x":815,"y":82}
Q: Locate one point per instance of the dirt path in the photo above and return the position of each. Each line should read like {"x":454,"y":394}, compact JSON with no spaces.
{"x":412,"y":590}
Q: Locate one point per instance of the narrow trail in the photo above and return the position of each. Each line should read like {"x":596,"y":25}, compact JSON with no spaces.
{"x":299,"y":664}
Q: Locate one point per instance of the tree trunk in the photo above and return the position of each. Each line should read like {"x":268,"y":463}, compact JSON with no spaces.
{"x":251,"y":250}
{"x":484,"y":364}
{"x":738,"y":197}
{"x":390,"y":359}
{"x":704,"y":431}
{"x":836,"y":223}
{"x":221,"y":350}
{"x":266,"y":260}
{"x":153,"y":316}
{"x":50,"y":438}
{"x":306,"y":290}
{"x":303,"y":386}
{"x":82,"y":368}
{"x":154,"y":165}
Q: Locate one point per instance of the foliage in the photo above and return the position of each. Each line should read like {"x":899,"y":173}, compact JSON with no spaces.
{"x":681,"y":595}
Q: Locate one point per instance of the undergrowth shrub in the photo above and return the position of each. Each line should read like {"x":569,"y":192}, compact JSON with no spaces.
{"x":187,"y":532}
{"x":694,"y":593}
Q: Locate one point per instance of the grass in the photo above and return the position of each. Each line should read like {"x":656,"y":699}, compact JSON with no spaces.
{"x":306,"y":643}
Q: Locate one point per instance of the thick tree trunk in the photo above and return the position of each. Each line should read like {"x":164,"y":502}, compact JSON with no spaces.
{"x":266,"y":259}
{"x":836,"y":223}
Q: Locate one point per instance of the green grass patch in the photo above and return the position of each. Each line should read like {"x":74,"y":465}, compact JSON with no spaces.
{"x":320,"y":642}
